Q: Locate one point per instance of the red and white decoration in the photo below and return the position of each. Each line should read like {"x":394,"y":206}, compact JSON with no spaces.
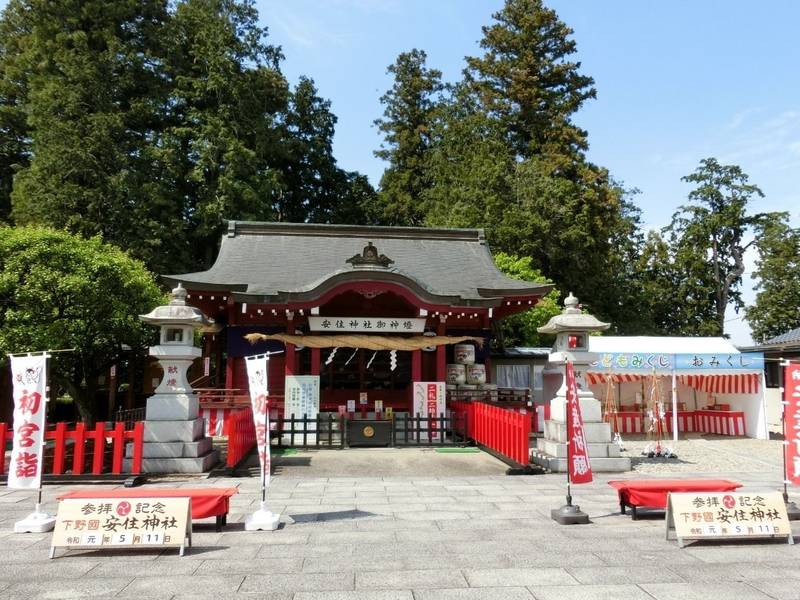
{"x":686,"y":421}
{"x":29,"y":378}
{"x":791,"y":415}
{"x":595,"y":378}
{"x":580,"y":470}
{"x":628,"y":422}
{"x":720,"y":422}
{"x":738,"y":383}
{"x":257,"y":369}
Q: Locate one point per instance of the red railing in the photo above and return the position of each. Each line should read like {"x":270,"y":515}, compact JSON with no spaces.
{"x":241,"y":433}
{"x":500,"y":429}
{"x":75,"y":440}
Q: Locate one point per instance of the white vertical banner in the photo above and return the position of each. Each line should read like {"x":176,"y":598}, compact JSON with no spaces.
{"x":257,"y":369}
{"x":429,"y":402}
{"x":29,"y":378}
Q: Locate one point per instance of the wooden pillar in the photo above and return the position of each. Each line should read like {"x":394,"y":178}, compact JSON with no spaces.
{"x":315,"y":361}
{"x":228,"y":358}
{"x":416,"y":365}
{"x":291,"y":352}
{"x":441,"y":351}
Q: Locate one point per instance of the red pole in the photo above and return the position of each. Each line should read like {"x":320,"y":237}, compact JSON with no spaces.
{"x":58,"y":453}
{"x":118,"y":448}
{"x":79,"y":437}
{"x":3,"y":434}
{"x":99,"y":435}
{"x":138,"y":445}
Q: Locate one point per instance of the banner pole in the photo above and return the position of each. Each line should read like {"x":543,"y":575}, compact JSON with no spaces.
{"x":569,"y":441}
{"x":266,"y":446}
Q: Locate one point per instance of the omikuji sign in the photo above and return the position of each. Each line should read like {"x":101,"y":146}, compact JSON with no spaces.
{"x":633,"y":361}
{"x":120,"y":522}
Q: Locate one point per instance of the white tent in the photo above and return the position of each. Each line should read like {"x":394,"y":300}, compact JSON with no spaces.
{"x":695,"y":370}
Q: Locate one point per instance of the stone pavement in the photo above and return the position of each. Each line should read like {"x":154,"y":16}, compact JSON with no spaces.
{"x":409,"y":537}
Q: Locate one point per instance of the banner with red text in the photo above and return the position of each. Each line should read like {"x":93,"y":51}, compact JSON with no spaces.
{"x":257,"y":368}
{"x":791,"y":423}
{"x":580,"y":471}
{"x":29,"y":378}
{"x":429,"y":397}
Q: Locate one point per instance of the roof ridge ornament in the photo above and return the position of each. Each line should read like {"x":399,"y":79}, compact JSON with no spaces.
{"x":369,"y":257}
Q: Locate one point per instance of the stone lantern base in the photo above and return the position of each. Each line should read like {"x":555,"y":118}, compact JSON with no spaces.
{"x":604,"y":455}
{"x":174,"y":437}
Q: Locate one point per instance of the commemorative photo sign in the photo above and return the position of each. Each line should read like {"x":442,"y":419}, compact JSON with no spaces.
{"x":92,"y":523}
{"x":727,"y":515}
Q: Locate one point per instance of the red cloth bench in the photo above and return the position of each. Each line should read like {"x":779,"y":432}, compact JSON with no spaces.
{"x":652,"y":493}
{"x":206,"y":502}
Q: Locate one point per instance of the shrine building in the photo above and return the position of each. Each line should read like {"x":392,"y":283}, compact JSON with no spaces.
{"x":369,"y":310}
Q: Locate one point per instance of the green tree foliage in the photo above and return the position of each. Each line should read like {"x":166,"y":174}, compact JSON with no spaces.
{"x":526,"y":79}
{"x":58,"y":290}
{"x":223,"y":140}
{"x":151,"y":122}
{"x":93,"y":89}
{"x":708,"y":241}
{"x":777,"y":305}
{"x":410,"y":108}
{"x":521,"y":329}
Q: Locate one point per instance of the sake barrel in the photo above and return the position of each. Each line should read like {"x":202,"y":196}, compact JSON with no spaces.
{"x":456,"y":374}
{"x":464,"y":354}
{"x":476,"y":374}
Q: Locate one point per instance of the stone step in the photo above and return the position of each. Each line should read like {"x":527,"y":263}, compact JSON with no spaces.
{"x":599,"y":465}
{"x":172,"y":449}
{"x":199,"y":464}
{"x":174,"y":431}
{"x":595,"y":433}
{"x":559,"y":450}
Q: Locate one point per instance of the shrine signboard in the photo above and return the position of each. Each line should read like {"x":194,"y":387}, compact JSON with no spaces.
{"x":122,"y":523}
{"x":367,"y":324}
{"x":726,"y":515}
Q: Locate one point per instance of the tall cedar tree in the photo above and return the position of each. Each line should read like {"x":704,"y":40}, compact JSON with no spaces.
{"x":708,"y":243}
{"x":93,"y":91}
{"x":410,"y":107}
{"x":777,"y":306}
{"x":506,"y":156}
{"x":527,"y":80}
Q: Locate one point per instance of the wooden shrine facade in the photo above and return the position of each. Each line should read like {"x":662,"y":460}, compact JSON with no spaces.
{"x":342,"y":282}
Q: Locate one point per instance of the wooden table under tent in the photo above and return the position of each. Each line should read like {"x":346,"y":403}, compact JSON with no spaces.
{"x":362,"y":323}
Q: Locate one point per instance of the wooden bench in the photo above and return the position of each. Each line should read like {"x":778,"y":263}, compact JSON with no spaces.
{"x":206,"y":502}
{"x":652,"y":493}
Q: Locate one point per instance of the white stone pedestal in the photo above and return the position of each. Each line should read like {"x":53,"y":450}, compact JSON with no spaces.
{"x":551,"y":451}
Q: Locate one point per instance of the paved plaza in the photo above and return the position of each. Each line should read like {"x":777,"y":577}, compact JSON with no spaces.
{"x":433,"y":530}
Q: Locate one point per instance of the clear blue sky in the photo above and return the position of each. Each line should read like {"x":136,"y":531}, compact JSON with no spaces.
{"x":676,"y":82}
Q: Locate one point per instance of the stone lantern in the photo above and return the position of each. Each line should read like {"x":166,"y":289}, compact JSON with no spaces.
{"x":572,"y":329}
{"x":174,"y":440}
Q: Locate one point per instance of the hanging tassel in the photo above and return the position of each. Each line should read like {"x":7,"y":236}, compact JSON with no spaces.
{"x":352,"y":356}
{"x":329,"y":360}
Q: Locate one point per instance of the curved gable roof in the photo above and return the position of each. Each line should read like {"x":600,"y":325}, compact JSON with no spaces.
{"x":282,"y":262}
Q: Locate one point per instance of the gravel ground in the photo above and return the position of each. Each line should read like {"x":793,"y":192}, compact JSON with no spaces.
{"x":707,"y":453}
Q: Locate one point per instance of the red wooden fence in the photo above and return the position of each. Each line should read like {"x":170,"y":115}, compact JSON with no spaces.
{"x":504,"y":431}
{"x":241,"y":433}
{"x":80,"y":435}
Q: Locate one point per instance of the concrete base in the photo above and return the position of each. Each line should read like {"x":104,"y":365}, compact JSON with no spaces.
{"x":199,"y":464}
{"x":559,"y":450}
{"x":793,"y":511}
{"x":262,"y":520}
{"x":36,"y":522}
{"x":569,"y":514}
{"x":594,"y":433}
{"x":599,"y":465}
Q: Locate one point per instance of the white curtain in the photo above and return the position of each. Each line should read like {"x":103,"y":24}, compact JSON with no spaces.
{"x":514,"y":376}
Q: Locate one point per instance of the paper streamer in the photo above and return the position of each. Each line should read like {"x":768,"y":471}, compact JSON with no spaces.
{"x":392,"y":360}
{"x":374,"y":354}
{"x":352,"y":356}
{"x":329,"y":360}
